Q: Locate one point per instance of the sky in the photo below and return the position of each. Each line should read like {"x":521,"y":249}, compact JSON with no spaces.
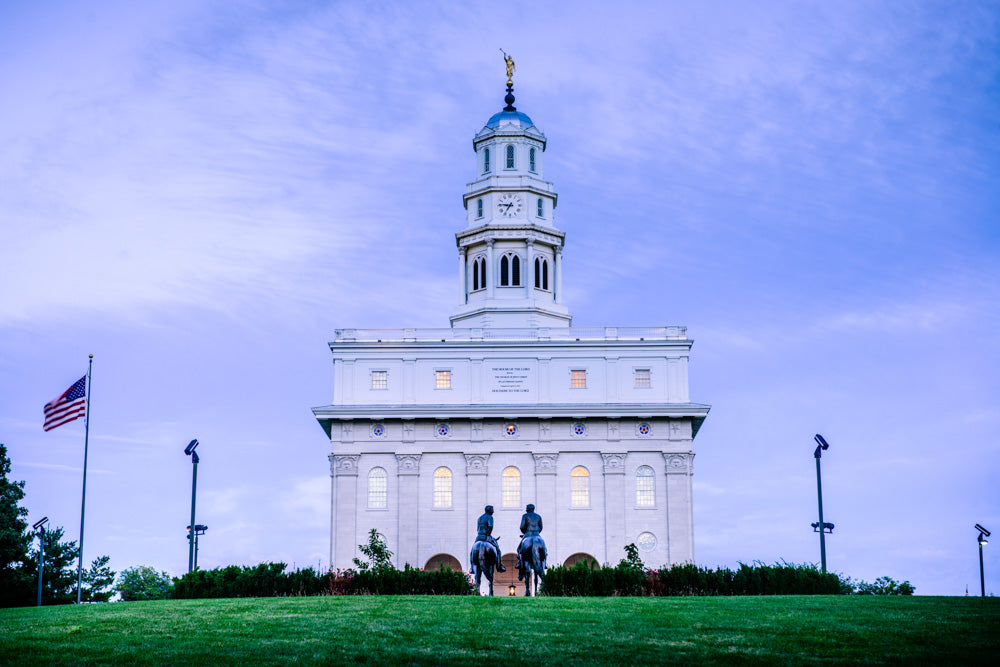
{"x":198,"y":193}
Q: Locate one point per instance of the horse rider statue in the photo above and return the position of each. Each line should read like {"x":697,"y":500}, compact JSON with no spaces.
{"x":531,"y":526}
{"x":484,"y":526}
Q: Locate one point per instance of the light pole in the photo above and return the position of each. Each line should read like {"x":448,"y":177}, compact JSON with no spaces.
{"x":189,"y":450}
{"x":983,"y":534}
{"x":198,"y":530}
{"x":821,"y":527}
{"x":40,"y":528}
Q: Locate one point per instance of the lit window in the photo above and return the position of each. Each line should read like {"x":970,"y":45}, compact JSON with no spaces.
{"x":442,"y":487}
{"x":380,"y":379}
{"x":510,"y":156}
{"x":479,"y":208}
{"x":378,"y":488}
{"x":541,"y":208}
{"x":486,"y":160}
{"x":579,"y":486}
{"x":531,"y":161}
{"x":642,"y":378}
{"x":645,"y":488}
{"x":510,"y":489}
{"x":578,"y":379}
{"x":442,"y":379}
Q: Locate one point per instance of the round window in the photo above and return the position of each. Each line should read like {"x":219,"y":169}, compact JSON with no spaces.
{"x":378,"y":430}
{"x":442,"y":430}
{"x":646,"y":541}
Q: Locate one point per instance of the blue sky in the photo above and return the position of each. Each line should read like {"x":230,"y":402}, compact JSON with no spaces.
{"x":199,"y":193}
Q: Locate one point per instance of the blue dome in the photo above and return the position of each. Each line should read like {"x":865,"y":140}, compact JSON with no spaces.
{"x":509,"y":117}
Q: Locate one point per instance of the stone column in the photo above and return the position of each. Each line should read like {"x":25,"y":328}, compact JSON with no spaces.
{"x":463,"y":275}
{"x":557,"y":270}
{"x":680,"y":513}
{"x":529,"y":270}
{"x":408,"y":471}
{"x":343,"y":533}
{"x":490,"y":281}
{"x":545,"y":490}
{"x":475,"y":492}
{"x":614,"y":506}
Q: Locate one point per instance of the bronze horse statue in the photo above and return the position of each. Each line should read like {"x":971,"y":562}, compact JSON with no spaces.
{"x":531,"y":563}
{"x":485,"y":559}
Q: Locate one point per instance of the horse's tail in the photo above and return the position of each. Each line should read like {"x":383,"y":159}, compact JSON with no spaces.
{"x":538,"y":554}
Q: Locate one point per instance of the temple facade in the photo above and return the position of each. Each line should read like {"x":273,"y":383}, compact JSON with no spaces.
{"x":511,"y":404}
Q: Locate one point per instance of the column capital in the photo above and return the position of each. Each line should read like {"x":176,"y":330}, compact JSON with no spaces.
{"x":545,"y":464}
{"x":614,"y":464}
{"x":680,"y":463}
{"x":344,"y":465}
{"x":408,"y":464}
{"x":476,"y":464}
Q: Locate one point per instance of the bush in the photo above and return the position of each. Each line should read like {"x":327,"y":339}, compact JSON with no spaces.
{"x":882,"y":586}
{"x":144,"y":583}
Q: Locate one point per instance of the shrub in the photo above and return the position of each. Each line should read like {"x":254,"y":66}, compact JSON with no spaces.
{"x":882,"y":586}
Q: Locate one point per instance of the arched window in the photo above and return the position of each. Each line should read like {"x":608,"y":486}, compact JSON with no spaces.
{"x":510,"y":487}
{"x":378,"y":488}
{"x":510,"y":156}
{"x":545,"y":274}
{"x":442,"y":487}
{"x":479,"y":208}
{"x":478,"y":273}
{"x":482,"y":273}
{"x":540,"y":208}
{"x":579,"y":487}
{"x":515,"y":271}
{"x":504,"y":272}
{"x":645,"y":487}
{"x":541,"y":273}
{"x":538,"y":272}
{"x":531,"y":160}
{"x":475,"y":274}
{"x":486,"y":160}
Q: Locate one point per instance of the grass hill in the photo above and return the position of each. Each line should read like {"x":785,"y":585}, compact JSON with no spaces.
{"x":502,"y":631}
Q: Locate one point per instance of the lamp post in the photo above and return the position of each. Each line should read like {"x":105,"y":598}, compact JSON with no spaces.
{"x":198,"y":530}
{"x":983,"y":534}
{"x":821,"y":527}
{"x":189,"y":450}
{"x":40,"y":528}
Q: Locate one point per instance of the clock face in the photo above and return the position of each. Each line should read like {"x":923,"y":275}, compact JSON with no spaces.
{"x":508,"y":205}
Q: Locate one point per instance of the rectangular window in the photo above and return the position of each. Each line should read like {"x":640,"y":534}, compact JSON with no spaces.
{"x":380,"y":379}
{"x":578,"y":379}
{"x":442,"y":379}
{"x":642,"y":378}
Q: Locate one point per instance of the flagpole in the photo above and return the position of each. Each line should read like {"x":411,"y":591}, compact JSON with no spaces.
{"x":83,"y":502}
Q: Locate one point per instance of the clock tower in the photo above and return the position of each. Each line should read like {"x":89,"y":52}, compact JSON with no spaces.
{"x":510,"y":252}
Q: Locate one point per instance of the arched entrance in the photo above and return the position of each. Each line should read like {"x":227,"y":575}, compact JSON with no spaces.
{"x":503,"y":580}
{"x":446,"y":560}
{"x":580,"y":558}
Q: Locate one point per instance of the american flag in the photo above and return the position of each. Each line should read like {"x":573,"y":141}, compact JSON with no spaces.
{"x":69,"y":406}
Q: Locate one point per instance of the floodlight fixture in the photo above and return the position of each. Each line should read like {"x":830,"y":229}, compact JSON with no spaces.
{"x":982,"y":530}
{"x":40,"y":524}
{"x":191,"y":446}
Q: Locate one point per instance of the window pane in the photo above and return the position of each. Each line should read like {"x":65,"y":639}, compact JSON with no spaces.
{"x":510,"y":491}
{"x":578,"y":379}
{"x":642,"y":378}
{"x":442,"y":487}
{"x":645,"y":488}
{"x":510,"y":156}
{"x":442,"y":379}
{"x":378,"y":488}
{"x":380,"y":379}
{"x":579,"y":487}
{"x":531,"y":160}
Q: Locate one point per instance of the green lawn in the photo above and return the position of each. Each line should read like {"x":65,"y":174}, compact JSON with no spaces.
{"x":501,"y":631}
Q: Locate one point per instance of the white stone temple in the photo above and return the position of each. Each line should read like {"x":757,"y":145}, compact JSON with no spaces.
{"x":511,"y":404}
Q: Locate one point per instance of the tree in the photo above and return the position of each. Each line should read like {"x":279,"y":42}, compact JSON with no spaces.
{"x":378,"y":556}
{"x":98,"y":581}
{"x":15,"y":540}
{"x":144,"y":583}
{"x":59,"y":575}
